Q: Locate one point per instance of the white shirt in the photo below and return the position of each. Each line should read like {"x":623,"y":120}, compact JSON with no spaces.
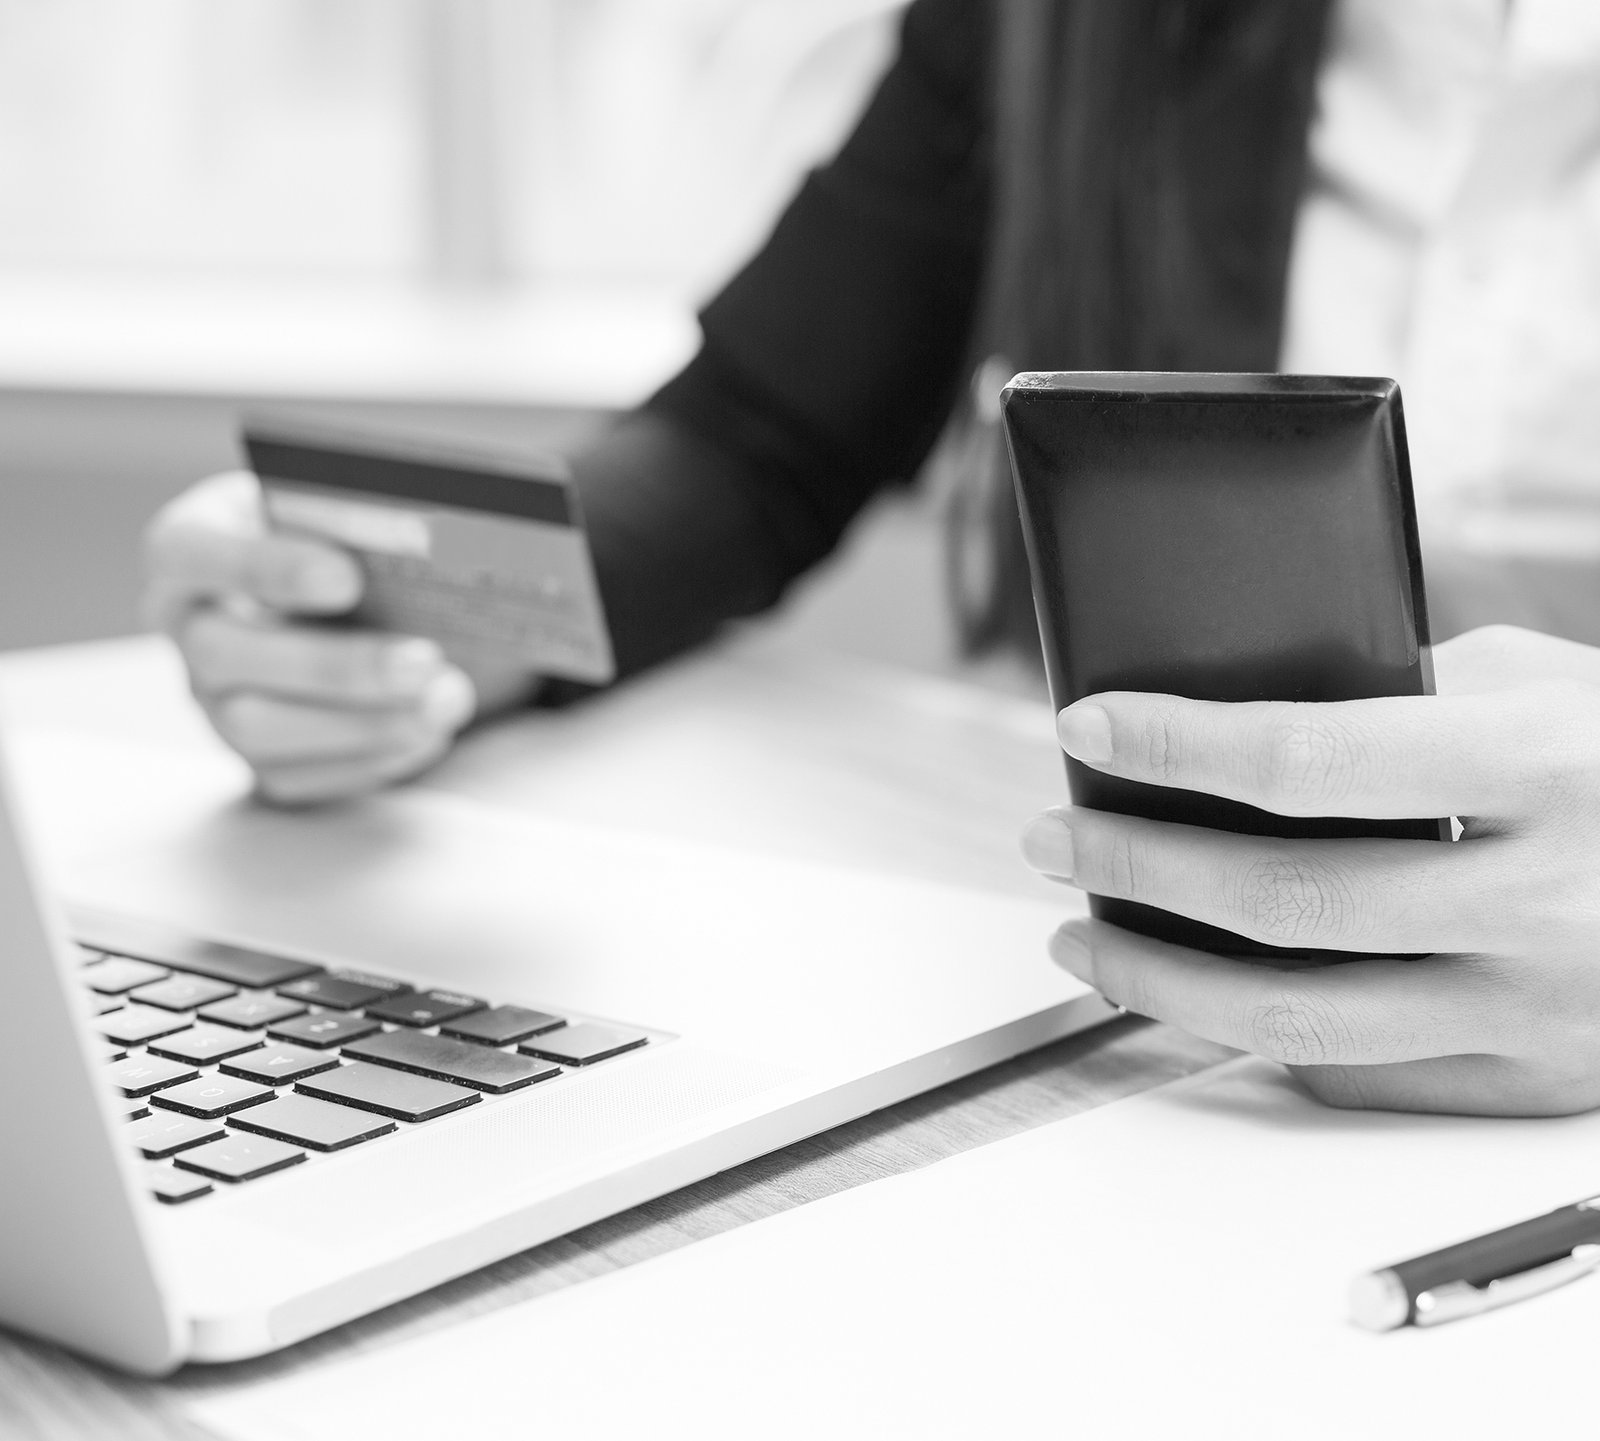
{"x":1450,"y":238}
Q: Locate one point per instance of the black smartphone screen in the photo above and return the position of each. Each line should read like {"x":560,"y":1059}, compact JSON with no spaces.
{"x":1223,"y":537}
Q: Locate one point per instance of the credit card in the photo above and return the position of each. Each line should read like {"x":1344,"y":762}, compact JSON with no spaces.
{"x":481,"y":551}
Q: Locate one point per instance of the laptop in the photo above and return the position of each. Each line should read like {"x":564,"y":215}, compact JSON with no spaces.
{"x":419,"y":1034}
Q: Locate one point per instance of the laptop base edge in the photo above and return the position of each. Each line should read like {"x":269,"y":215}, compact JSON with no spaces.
{"x":240,"y":1336}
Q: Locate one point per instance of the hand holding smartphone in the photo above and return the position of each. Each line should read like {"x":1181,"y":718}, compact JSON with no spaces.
{"x":1222,"y":537}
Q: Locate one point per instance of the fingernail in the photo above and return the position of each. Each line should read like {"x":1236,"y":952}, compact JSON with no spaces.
{"x":1085,"y":733}
{"x":451,"y":700}
{"x":409,"y":664}
{"x":1047,"y":845}
{"x":1069,"y":952}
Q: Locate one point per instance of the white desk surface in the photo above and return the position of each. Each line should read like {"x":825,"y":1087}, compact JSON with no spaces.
{"x":1174,"y":1265}
{"x":756,"y":745}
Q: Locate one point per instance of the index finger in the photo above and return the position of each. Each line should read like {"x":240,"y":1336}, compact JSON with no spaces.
{"x":212,"y":542}
{"x":1388,"y":757}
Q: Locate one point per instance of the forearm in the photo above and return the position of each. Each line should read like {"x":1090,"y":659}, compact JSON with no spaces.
{"x":827,"y":365}
{"x":685,"y":536}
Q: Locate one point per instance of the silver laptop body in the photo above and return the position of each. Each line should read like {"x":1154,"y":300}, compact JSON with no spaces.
{"x":776,"y":999}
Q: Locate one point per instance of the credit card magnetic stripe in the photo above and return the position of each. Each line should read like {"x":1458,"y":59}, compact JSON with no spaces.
{"x":536,"y":490}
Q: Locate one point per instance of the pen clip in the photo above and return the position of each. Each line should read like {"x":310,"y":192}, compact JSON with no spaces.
{"x":1456,"y":1299}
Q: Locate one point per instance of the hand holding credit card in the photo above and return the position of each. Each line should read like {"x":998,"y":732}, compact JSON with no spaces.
{"x":484,"y":553}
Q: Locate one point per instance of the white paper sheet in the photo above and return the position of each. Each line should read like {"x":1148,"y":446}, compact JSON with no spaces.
{"x":1173,"y":1265}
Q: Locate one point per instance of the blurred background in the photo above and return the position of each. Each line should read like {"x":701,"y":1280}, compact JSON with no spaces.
{"x":486,"y":217}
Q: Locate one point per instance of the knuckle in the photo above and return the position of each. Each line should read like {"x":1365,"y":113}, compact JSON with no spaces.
{"x":174,"y":523}
{"x":1160,"y":750}
{"x":1541,"y":895}
{"x":1549,"y":1009}
{"x":1559,"y":772}
{"x":1284,"y":901}
{"x":1305,"y":765}
{"x":1300,"y":1028}
{"x":1109,"y":861}
{"x":1489,"y":642}
{"x":1124,"y":866}
{"x":223,"y":498}
{"x":199,"y":523}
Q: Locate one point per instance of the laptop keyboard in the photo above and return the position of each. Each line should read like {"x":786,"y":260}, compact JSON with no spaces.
{"x":231,"y":1064}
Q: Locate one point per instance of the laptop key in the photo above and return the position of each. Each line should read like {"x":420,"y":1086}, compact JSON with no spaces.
{"x":344,"y":990}
{"x":449,"y":1060}
{"x":501,"y":1025}
{"x":275,"y":1065}
{"x":113,"y":976}
{"x":183,"y":993}
{"x":131,"y":1110}
{"x":213,"y":1096}
{"x":201,"y":1045}
{"x":322,"y":1029}
{"x":140,"y":1075}
{"x":317,"y":1124}
{"x":424,"y":1008}
{"x":150,"y":941}
{"x":104,"y":1005}
{"x":249,"y":1011}
{"x":162,"y":1134}
{"x":134,"y":1025}
{"x":388,"y":1092}
{"x":115,"y":1052}
{"x":239,"y":1158}
{"x":582,"y":1044}
{"x":169,"y":1184}
{"x":238,"y":966}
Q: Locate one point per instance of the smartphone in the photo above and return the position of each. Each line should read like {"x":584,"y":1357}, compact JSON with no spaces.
{"x":1223,"y":537}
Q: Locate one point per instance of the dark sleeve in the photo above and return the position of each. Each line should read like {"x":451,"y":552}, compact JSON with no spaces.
{"x":826,"y":368}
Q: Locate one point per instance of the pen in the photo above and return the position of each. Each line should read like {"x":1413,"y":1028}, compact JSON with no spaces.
{"x":1492,"y":1270}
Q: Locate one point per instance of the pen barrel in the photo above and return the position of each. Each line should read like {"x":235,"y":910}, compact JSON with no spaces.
{"x":1501,"y":1253}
